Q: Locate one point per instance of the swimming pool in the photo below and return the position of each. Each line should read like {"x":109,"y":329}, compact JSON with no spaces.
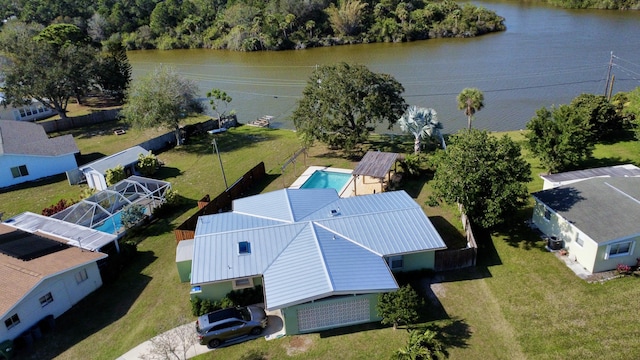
{"x":111,"y":225}
{"x":325,"y":179}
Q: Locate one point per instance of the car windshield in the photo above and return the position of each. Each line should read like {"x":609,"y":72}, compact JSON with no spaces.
{"x":246,"y":314}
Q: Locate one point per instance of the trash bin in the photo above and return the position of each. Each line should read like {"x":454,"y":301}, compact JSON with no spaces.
{"x":6,"y":349}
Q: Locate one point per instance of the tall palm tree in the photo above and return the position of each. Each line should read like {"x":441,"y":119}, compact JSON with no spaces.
{"x":470,"y":100}
{"x":422,"y":123}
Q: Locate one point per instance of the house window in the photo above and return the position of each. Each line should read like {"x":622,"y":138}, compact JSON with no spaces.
{"x":547,"y":214}
{"x":81,"y":276}
{"x":242,"y":283}
{"x":12,"y":321}
{"x":19,"y":171}
{"x":619,"y":249}
{"x":395,"y":262}
{"x":244,"y":247}
{"x":579,"y":241}
{"x":46,"y":300}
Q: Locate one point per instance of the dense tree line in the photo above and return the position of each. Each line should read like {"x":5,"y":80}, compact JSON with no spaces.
{"x":597,"y":4}
{"x":250,"y":25}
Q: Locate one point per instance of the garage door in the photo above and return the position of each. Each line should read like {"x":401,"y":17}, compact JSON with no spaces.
{"x":334,"y":314}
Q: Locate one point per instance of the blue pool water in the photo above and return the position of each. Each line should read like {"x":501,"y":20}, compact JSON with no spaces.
{"x":322,"y":179}
{"x":111,"y":226}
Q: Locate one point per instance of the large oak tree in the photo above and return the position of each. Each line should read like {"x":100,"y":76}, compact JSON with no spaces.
{"x":342,"y":103}
{"x":50,"y":65}
{"x":486,"y":175}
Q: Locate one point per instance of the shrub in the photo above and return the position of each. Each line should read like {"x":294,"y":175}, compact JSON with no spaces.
{"x":132,"y":215}
{"x":234,"y":298}
{"x":57,"y":207}
{"x":399,"y":307}
{"x":413,"y":164}
{"x":422,"y":345}
{"x":623,"y":269}
{"x":147,"y":164}
{"x":113,"y":176}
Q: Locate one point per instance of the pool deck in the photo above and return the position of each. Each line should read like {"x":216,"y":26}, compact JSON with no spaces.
{"x":364,"y":184}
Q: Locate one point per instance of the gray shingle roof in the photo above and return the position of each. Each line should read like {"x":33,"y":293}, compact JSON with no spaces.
{"x":25,"y":138}
{"x":603,"y":208}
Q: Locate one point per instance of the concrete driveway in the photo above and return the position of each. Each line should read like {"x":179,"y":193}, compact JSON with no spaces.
{"x":182,"y":342}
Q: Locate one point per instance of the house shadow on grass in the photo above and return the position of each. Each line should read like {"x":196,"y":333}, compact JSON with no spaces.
{"x":36,"y":183}
{"x":100,"y":309}
{"x":84,"y":159}
{"x":519,"y":233}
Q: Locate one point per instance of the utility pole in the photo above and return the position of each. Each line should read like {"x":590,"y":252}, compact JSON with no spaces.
{"x":215,"y":147}
{"x":606,"y":88}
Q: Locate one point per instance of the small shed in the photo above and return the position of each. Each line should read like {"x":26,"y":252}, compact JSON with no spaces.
{"x":375,"y":169}
{"x":184,"y":258}
{"x":95,"y":172}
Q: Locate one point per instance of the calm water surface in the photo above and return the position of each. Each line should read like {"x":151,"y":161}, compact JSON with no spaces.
{"x":546,"y":57}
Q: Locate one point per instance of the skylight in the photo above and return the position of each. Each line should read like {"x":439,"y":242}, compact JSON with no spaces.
{"x":244,"y":247}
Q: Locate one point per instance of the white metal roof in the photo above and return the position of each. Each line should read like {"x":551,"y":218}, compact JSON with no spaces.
{"x":124,"y":158}
{"x":304,"y":250}
{"x":75,"y":235}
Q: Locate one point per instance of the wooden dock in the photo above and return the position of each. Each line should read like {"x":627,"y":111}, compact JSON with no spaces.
{"x":264,"y":121}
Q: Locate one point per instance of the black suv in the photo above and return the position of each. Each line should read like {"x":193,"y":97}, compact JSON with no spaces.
{"x":218,"y":326}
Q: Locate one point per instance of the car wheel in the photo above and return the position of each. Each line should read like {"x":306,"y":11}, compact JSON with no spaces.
{"x":214,"y":343}
{"x":256,"y":331}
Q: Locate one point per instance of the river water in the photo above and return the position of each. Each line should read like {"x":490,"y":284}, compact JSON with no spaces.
{"x":546,"y":57}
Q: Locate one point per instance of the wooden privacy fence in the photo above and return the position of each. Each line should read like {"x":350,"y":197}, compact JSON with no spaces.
{"x":221,"y":203}
{"x":79,"y":121}
{"x":459,"y":258}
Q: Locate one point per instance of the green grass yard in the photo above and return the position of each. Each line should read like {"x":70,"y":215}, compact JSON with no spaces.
{"x":520,"y":302}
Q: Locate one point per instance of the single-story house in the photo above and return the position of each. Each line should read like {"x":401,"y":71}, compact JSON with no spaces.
{"x":31,"y":111}
{"x":27,"y":153}
{"x":322,"y":260}
{"x":41,"y":277}
{"x":596,"y":219}
{"x":95,"y":171}
{"x":570,"y":177}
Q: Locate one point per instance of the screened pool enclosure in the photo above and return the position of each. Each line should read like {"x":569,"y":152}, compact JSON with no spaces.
{"x":102,"y":210}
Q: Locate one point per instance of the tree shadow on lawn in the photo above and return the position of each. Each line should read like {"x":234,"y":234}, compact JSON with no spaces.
{"x":98,"y":310}
{"x":519,"y":233}
{"x":600,"y":162}
{"x":449,"y":233}
{"x":167,"y":172}
{"x":226,"y":142}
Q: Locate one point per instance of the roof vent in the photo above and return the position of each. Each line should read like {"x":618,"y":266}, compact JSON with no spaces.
{"x":244,"y":247}
{"x":335,"y":212}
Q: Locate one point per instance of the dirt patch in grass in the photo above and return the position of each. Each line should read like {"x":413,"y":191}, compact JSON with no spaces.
{"x":298,"y":345}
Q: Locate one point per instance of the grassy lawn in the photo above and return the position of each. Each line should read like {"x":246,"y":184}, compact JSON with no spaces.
{"x":520,"y":302}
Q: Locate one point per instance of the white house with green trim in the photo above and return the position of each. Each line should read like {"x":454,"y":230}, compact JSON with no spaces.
{"x":597,"y":220}
{"x":322,"y":260}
